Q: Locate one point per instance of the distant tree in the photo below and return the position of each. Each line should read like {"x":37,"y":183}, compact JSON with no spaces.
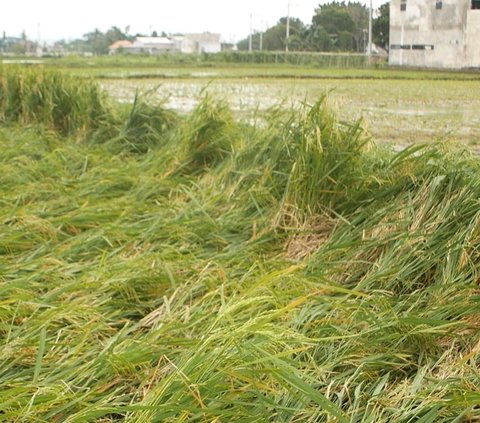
{"x":115,"y":34}
{"x":98,"y":42}
{"x":346,"y":41}
{"x":95,"y":42}
{"x":381,"y":26}
{"x":343,"y":23}
{"x":244,"y":45}
{"x":318,"y":39}
{"x":359,"y":14}
{"x":334,"y":17}
{"x":274,"y":38}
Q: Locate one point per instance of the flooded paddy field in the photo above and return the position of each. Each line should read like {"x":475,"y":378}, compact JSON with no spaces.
{"x":397,"y":111}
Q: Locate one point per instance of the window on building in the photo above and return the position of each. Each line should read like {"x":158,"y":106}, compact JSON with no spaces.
{"x":439,"y":5}
{"x":403,"y":5}
{"x":475,"y":4}
{"x":400,"y":46}
{"x":422,"y":47}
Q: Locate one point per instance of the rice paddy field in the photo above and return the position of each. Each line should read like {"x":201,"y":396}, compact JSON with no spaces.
{"x":398,"y":107}
{"x":400,"y":112}
{"x":208,"y":263}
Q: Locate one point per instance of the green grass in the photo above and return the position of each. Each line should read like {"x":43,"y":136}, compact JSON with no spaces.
{"x":320,"y":60}
{"x":265,"y":65}
{"x":197,"y":268}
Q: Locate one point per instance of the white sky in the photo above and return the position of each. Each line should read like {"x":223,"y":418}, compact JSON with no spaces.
{"x":59,"y":19}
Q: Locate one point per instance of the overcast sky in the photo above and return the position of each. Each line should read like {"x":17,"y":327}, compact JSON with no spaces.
{"x":57,"y":19}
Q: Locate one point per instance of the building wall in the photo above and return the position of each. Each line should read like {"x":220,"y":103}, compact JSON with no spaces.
{"x":201,"y":43}
{"x":473,"y":39}
{"x":188,"y":43}
{"x":151,"y":45}
{"x":152,"y":50}
{"x":425,"y":36}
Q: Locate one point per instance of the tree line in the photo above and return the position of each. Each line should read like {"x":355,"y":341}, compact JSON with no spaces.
{"x":335,"y":26}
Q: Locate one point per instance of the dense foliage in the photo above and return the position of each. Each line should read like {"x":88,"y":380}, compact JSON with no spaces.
{"x":335,"y":26}
{"x":274,"y":38}
{"x":381,"y":26}
{"x":96,"y":41}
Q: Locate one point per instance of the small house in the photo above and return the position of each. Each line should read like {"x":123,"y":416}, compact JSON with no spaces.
{"x":119,"y":46}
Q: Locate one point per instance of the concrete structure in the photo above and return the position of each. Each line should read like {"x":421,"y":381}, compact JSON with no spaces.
{"x":198,"y":43}
{"x":435,"y":33}
{"x":188,"y":43}
{"x":151,"y":45}
{"x":121,"y":45}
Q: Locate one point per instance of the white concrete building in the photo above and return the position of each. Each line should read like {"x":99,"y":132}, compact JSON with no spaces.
{"x":152,"y":45}
{"x":188,"y":43}
{"x":435,"y":33}
{"x":198,"y":43}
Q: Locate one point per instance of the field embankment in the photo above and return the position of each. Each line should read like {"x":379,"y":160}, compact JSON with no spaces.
{"x":173,"y":268}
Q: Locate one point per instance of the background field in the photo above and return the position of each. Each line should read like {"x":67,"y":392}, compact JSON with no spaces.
{"x":394,"y":111}
{"x":398,"y":106}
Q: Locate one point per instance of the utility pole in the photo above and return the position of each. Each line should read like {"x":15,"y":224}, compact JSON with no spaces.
{"x":39,"y":45}
{"x":250,"y":40}
{"x":370,"y":16}
{"x":288,"y":27}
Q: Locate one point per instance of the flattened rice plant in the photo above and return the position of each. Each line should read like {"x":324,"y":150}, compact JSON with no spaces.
{"x":132,"y":291}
